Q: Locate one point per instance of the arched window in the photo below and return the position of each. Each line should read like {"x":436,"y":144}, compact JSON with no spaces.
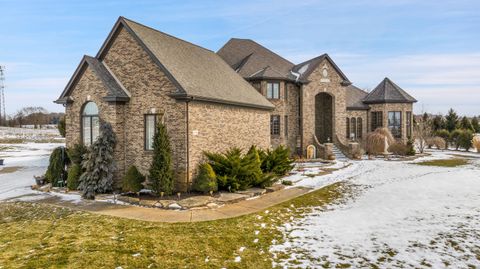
{"x":359,"y":127}
{"x":347,"y":133}
{"x":353,"y":128}
{"x":90,"y":123}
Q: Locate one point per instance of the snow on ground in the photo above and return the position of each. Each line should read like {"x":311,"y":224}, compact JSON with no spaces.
{"x":406,"y":215}
{"x":31,"y":159}
{"x":29,"y":133}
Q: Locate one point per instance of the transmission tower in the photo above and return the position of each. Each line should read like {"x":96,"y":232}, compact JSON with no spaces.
{"x":3,"y":116}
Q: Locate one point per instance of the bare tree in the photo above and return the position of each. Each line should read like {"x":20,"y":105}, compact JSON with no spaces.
{"x":422,"y":131}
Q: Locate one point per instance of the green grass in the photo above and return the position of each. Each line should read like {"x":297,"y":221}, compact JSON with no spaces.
{"x":43,"y":236}
{"x":445,"y":163}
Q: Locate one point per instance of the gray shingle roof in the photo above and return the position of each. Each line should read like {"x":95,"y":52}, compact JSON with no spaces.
{"x":116,"y":91}
{"x":247,"y":57}
{"x":354,"y":97}
{"x":306,"y":68}
{"x":388,"y":92}
{"x":199,"y":73}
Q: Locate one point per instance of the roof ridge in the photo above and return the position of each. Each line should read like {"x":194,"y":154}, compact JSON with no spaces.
{"x":169,"y":35}
{"x":253,"y":41}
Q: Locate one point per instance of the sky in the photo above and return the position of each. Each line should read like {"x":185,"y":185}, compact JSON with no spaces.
{"x":430,"y":48}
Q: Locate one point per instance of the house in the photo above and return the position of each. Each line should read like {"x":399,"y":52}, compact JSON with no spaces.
{"x":242,"y":95}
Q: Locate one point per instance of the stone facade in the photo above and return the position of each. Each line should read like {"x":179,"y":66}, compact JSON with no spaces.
{"x":357,"y":114}
{"x":385,"y":108}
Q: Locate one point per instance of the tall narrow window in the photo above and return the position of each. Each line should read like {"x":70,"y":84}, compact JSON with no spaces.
{"x":273,"y":90}
{"x":409,"y":124}
{"x":395,"y":123}
{"x":90,"y":123}
{"x":377,"y":120}
{"x":286,"y":126}
{"x":286,"y":91}
{"x":275,"y":124}
{"x":150,"y":129}
{"x":359,"y":127}
{"x":347,"y":132}
{"x":353,"y":128}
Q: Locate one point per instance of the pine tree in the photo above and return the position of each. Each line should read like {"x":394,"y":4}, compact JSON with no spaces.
{"x":476,"y":124}
{"x":466,"y":124}
{"x":451,"y":120}
{"x":161,"y":174}
{"x":99,"y":164}
{"x":438,"y":123}
{"x":133,"y":180}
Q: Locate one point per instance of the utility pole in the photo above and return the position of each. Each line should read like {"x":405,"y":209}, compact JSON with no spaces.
{"x":3,"y":115}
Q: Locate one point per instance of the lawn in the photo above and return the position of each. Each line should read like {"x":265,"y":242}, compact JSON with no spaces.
{"x":445,"y":162}
{"x":38,"y":235}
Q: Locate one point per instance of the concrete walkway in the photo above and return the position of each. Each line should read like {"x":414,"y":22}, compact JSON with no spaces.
{"x":192,"y":215}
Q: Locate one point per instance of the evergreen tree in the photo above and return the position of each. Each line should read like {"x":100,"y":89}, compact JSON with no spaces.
{"x":451,"y":120}
{"x":476,"y":125}
{"x":99,"y":164}
{"x":161,"y":174}
{"x":133,"y":180}
{"x":206,"y":180}
{"x":466,"y":124}
{"x":61,"y":126}
{"x":438,"y":123}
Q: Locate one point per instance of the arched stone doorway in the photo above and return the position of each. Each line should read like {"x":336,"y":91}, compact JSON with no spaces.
{"x":324,"y":117}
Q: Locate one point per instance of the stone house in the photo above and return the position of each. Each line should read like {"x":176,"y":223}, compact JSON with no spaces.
{"x":242,"y":95}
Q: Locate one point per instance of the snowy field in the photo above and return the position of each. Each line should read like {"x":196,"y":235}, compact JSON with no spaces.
{"x":403,"y":215}
{"x":30,"y":134}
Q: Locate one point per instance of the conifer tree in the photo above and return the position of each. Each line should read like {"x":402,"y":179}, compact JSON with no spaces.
{"x":99,"y":164}
{"x":451,"y":120}
{"x":466,"y":124}
{"x":476,"y":125}
{"x":161,"y":174}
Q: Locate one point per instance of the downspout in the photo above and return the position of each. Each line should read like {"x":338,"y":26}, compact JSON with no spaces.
{"x":301,"y":118}
{"x":124,"y":139}
{"x":188,"y":144}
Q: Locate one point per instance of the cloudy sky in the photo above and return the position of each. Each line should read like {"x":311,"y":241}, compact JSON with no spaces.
{"x":431,"y":48}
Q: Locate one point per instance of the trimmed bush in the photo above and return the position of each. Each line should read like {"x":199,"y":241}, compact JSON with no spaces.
{"x":161,"y":173}
{"x":439,"y":142}
{"x":77,"y":153}
{"x":132,"y":181}
{"x":398,"y":149}
{"x":476,"y":143}
{"x":73,"y":179}
{"x":206,"y":180}
{"x":56,"y":172}
{"x":465,"y":139}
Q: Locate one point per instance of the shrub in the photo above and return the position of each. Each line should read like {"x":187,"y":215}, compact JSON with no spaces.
{"x":206,"y":180}
{"x":74,"y":173}
{"x":439,"y":142}
{"x":287,"y":182}
{"x":77,"y":153}
{"x":445,"y":134}
{"x":132,"y":181}
{"x":99,"y":164}
{"x":56,"y":168}
{"x":276,"y":161}
{"x":410,"y":147}
{"x":386,"y":133}
{"x":161,"y":174}
{"x":61,"y":126}
{"x":398,"y":149}
{"x":465,"y":139}
{"x":455,"y":138}
{"x":430,"y":143}
{"x":476,"y":143}
{"x":375,"y":143}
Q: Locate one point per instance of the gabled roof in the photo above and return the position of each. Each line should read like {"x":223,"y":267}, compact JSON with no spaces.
{"x":247,"y":58}
{"x":116,"y":92}
{"x":354,"y":97}
{"x":306,"y":68}
{"x":388,"y":92}
{"x":196,"y":72}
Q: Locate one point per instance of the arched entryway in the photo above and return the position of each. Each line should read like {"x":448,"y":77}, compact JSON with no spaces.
{"x":324,"y":117}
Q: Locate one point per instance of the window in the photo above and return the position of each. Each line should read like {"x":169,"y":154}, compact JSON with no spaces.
{"x":286,"y":91}
{"x":347,"y":133}
{"x":150,"y":130}
{"x":275,"y":124}
{"x":286,"y":126}
{"x":377,"y":120}
{"x":90,"y":123}
{"x":409,"y":123}
{"x":359,"y":127}
{"x":353,"y":128}
{"x":395,"y":123}
{"x":273,"y":90}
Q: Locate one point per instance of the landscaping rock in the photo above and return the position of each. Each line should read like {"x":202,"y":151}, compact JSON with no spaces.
{"x":46,"y":188}
{"x":166,"y":203}
{"x":35,"y":187}
{"x":275,"y":187}
{"x":252,"y":192}
{"x":212,"y":205}
{"x":174,"y":206}
{"x":158,"y":205}
{"x":195,"y":201}
{"x":229,"y":197}
{"x":149,"y":203}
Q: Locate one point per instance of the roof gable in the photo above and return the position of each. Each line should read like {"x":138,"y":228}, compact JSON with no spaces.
{"x":247,"y":57}
{"x":388,"y":92}
{"x":197,"y":73}
{"x":305,"y":69}
{"x":117,"y":92}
